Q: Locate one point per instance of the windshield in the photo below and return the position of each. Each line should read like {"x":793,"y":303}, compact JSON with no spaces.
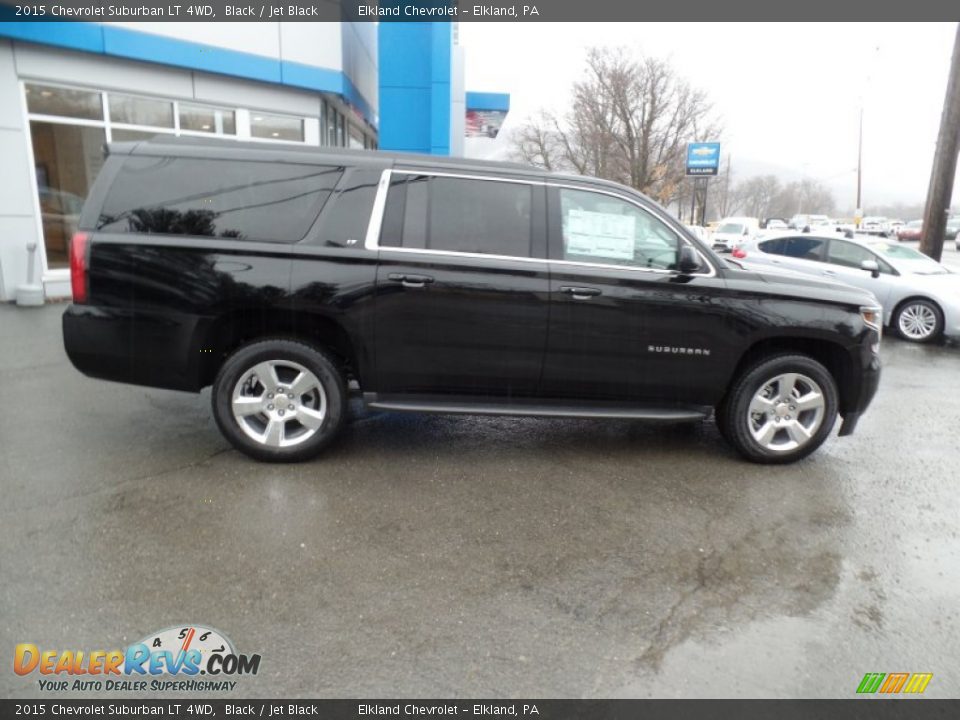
{"x":735,"y":228}
{"x":915,"y":224}
{"x":908,"y":259}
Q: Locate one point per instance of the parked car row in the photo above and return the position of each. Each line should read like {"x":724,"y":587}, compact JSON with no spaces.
{"x":913,"y":230}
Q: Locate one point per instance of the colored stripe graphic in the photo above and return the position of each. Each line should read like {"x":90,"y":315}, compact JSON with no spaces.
{"x":894,"y":682}
{"x":918,"y":682}
{"x":914,"y":683}
{"x":870,"y":682}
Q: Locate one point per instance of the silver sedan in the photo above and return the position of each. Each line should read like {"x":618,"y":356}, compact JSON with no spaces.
{"x":920,"y":297}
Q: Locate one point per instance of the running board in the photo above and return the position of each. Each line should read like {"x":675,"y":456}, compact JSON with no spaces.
{"x":611,"y":411}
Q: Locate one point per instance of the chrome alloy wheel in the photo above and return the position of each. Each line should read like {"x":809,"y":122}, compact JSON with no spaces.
{"x":917,"y":321}
{"x":279,"y":403}
{"x":786,"y":412}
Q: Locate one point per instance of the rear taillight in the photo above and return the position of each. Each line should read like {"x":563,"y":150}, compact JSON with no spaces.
{"x":739,"y":253}
{"x":78,"y":266}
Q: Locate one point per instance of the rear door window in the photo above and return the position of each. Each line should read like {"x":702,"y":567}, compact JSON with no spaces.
{"x":463,"y":215}
{"x":246,"y":200}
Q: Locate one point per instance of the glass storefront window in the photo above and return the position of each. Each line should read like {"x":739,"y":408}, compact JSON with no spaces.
{"x":140,"y":111}
{"x":332,"y":115}
{"x":198,"y":118}
{"x":356,"y":139}
{"x":46,"y":100}
{"x":124,"y":135}
{"x":67,"y":159}
{"x":276,"y":127}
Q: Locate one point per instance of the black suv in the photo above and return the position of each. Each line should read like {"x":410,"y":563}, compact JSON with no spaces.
{"x":285,"y":276}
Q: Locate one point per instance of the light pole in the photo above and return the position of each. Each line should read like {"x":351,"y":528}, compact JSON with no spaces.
{"x":858,"y":213}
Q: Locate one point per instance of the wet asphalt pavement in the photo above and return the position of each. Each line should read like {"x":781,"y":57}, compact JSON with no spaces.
{"x":483,"y":557}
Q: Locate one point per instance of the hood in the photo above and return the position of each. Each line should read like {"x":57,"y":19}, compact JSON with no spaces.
{"x":941,"y":282}
{"x":787,"y":283}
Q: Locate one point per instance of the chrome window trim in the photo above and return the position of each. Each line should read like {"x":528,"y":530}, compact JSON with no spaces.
{"x":461,"y":176}
{"x":456,"y":254}
{"x":372,"y":241}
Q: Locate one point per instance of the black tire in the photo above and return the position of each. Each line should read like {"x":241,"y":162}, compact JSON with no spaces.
{"x":326,"y":401}
{"x":734,"y":418}
{"x":920,"y":305}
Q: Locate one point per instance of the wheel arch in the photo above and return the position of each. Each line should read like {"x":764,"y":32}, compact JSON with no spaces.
{"x":836,"y":358}
{"x":230,"y":331}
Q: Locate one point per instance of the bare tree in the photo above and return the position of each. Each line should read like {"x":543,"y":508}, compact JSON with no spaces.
{"x":725,"y":194}
{"x":758,"y":194}
{"x":630,"y":121}
{"x":535,"y":143}
{"x":804,"y":196}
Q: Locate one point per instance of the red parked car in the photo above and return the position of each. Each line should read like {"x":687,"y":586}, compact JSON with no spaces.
{"x":913,"y":230}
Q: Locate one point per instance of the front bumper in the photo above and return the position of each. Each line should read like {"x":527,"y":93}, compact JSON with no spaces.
{"x":869,"y":380}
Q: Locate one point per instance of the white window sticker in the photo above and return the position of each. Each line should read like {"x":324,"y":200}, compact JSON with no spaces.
{"x":600,"y":234}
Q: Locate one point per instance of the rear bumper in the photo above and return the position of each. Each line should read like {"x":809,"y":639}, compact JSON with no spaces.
{"x":153,"y":350}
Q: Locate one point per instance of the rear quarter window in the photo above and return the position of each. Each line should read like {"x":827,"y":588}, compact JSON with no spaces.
{"x":344,"y":219}
{"x":774,"y":247}
{"x":246,"y":200}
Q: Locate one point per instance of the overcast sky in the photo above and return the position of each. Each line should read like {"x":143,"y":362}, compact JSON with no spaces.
{"x":789,"y":95}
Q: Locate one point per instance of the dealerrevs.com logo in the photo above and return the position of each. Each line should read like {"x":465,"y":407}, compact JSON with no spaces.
{"x":180,"y":658}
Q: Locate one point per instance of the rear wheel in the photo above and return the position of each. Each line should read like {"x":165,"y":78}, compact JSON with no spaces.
{"x":918,"y":320}
{"x":780,"y":409}
{"x":279,"y":400}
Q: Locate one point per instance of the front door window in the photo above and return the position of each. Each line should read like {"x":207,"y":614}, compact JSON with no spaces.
{"x":599,"y":228}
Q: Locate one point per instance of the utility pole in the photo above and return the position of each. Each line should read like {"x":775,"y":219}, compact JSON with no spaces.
{"x":944,"y":163}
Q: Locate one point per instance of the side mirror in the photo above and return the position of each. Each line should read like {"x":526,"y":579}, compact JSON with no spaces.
{"x":687,"y":261}
{"x":871,"y":267}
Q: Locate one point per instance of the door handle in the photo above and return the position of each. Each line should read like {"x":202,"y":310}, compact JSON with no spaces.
{"x":829,"y":272}
{"x":580,"y":293}
{"x":410,"y":281}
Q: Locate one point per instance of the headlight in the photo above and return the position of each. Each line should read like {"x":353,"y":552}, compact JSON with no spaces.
{"x":872,"y":316}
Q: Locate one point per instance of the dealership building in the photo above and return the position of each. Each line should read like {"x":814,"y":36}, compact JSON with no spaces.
{"x":67,"y":88}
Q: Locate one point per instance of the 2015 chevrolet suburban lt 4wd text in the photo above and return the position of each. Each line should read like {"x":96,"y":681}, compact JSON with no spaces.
{"x":282,"y":276}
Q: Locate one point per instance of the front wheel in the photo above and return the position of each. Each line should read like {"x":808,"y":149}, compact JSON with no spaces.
{"x":918,"y":320}
{"x":279,"y":400}
{"x":780,"y":409}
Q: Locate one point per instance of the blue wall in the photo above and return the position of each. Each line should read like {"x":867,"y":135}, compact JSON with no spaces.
{"x":488,"y":101}
{"x":148,"y":47}
{"x":415,"y":86}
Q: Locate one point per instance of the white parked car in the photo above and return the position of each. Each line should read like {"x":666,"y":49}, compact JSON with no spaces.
{"x":874,"y":225}
{"x":731,"y":232}
{"x":920,"y":297}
